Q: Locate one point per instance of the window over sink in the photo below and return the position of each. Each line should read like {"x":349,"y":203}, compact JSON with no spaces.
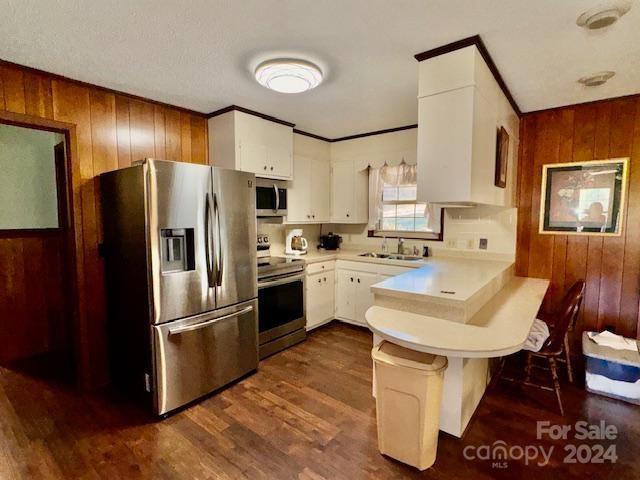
{"x":395,"y":210}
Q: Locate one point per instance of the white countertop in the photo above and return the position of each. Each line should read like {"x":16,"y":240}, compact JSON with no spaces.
{"x":353,"y":254}
{"x":447,"y":278}
{"x":499,"y":328}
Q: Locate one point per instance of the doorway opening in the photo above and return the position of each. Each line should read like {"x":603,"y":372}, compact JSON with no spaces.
{"x":36,"y":283}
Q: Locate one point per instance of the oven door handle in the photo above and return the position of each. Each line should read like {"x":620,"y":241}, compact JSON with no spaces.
{"x":280,"y":281}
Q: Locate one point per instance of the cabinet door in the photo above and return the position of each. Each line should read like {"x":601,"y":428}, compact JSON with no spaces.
{"x":298,"y":194}
{"x":253,"y":158}
{"x":320,"y":183}
{"x":361,"y":197}
{"x":364,"y":296}
{"x":345,"y":289}
{"x":342,"y":190}
{"x":280,"y":162}
{"x":327,"y":299}
{"x":313,"y":291}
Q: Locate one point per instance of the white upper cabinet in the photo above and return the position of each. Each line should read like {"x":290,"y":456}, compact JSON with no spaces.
{"x":350,"y":193}
{"x":460,"y":109}
{"x":309,"y":194}
{"x":320,"y":190}
{"x":241,"y":141}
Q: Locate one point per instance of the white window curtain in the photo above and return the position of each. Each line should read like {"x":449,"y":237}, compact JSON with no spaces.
{"x":402,"y":174}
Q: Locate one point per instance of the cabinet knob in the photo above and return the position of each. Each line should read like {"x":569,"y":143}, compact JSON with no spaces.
{"x":307,"y":216}
{"x":358,"y":280}
{"x":323,"y":267}
{"x":272,"y":169}
{"x":313,"y":216}
{"x":265,"y":167}
{"x":352,"y":279}
{"x":319,"y":280}
{"x":325,"y":279}
{"x":347,"y":214}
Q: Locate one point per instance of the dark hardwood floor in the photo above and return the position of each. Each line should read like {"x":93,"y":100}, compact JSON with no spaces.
{"x":307,"y":414}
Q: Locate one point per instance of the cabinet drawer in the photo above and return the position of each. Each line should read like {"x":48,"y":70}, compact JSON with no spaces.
{"x":321,"y":267}
{"x":358,"y":266}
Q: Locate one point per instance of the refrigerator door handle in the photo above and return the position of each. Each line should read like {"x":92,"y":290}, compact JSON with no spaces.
{"x":219,"y":254}
{"x":275,"y":189}
{"x":207,"y":241}
{"x":206,"y":323}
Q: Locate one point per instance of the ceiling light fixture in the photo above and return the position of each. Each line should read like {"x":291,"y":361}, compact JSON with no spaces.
{"x":288,"y":75}
{"x":603,"y":15}
{"x":596,"y":79}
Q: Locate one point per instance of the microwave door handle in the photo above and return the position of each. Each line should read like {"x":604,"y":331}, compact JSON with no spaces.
{"x":275,"y":189}
{"x":219,"y":254}
{"x":206,"y":323}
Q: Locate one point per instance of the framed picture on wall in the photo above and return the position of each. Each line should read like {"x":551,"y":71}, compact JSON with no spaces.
{"x":584,"y":198}
{"x":502,"y":157}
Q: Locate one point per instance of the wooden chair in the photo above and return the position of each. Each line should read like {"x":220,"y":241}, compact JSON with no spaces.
{"x":556,"y":348}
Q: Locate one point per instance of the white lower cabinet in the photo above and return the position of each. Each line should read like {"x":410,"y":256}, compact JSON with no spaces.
{"x":341,"y":289}
{"x":353,"y":295}
{"x":353,"y":287}
{"x":345,"y":291}
{"x":364,"y":296}
{"x":320,"y":292}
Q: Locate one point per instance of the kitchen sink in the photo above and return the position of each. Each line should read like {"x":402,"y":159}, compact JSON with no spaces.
{"x":391,"y":256}
{"x":374,"y":255}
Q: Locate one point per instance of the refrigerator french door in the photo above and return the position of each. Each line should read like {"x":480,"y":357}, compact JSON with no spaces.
{"x":181,"y":272}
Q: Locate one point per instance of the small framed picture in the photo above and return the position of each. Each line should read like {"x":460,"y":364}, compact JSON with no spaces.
{"x":584,"y":198}
{"x":502,"y":157}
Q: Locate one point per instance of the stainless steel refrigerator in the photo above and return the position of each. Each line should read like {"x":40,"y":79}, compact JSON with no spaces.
{"x":179,"y":248}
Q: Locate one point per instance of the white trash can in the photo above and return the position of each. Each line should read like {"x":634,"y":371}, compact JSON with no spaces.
{"x":408,"y":398}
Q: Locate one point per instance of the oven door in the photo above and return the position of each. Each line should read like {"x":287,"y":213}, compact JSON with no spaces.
{"x":281,"y":308}
{"x":271,"y":199}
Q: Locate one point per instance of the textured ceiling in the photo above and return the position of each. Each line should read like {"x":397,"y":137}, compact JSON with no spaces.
{"x":199,"y":54}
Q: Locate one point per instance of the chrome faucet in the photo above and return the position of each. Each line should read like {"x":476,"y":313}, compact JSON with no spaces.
{"x":401,"y":246}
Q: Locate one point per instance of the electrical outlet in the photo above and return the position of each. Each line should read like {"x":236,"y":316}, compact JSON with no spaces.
{"x":484,"y":243}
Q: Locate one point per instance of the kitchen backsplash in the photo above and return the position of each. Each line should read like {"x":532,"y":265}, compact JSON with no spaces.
{"x":464,"y":228}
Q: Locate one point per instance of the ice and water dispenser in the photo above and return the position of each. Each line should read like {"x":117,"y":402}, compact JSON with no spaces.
{"x":177,"y":245}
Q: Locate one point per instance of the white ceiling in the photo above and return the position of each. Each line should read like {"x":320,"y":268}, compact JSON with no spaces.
{"x":198,"y":54}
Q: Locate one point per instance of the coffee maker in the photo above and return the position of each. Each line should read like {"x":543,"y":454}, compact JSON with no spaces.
{"x":296,"y":244}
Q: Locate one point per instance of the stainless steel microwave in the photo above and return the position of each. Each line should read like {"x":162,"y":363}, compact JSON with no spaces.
{"x":271,"y":198}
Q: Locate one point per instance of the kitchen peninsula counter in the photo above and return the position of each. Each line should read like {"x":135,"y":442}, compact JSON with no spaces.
{"x":468,"y":310}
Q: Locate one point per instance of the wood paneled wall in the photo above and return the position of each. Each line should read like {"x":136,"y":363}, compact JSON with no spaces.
{"x":33,"y":296}
{"x":609,"y":265}
{"x":111,"y":130}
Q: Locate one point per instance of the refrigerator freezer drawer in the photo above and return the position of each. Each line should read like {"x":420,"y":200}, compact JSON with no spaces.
{"x":197,"y":355}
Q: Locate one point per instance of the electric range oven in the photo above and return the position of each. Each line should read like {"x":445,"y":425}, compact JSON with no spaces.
{"x":281,"y":305}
